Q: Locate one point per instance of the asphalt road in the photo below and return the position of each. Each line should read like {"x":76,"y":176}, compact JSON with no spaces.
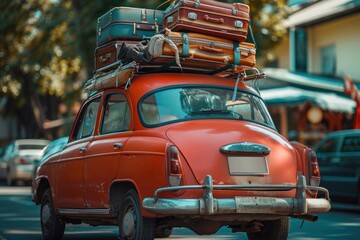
{"x":19,"y":220}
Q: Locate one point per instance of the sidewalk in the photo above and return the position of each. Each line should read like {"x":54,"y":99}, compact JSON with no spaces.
{"x":5,"y":190}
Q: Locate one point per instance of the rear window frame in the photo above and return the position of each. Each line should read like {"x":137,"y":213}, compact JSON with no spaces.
{"x":141,"y":117}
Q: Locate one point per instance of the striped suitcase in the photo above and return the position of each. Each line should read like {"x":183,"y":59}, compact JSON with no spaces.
{"x":209,"y":17}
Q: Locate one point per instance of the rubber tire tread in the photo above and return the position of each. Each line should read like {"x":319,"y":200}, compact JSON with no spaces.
{"x":58,"y":228}
{"x":146,"y":228}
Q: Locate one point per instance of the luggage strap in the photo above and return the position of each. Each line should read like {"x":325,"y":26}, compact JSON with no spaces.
{"x":237,"y":53}
{"x":185,"y":45}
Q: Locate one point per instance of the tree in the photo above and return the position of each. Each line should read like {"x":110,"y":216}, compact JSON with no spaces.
{"x":48,"y":51}
{"x":36,"y":62}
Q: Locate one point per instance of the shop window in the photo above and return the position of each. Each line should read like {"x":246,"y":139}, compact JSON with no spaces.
{"x":328,"y":60}
{"x":301,"y":50}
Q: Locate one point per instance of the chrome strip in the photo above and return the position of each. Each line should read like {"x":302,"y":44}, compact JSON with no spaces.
{"x":84,"y":211}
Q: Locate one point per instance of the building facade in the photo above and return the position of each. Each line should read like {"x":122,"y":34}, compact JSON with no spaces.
{"x":305,"y":88}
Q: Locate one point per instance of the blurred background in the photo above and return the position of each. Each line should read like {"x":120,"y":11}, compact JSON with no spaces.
{"x":306,"y":47}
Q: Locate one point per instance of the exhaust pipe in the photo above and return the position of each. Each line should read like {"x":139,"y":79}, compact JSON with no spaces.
{"x":308,"y":217}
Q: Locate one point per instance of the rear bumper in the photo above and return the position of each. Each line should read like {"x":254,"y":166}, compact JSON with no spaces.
{"x":22,"y":172}
{"x":208,"y":205}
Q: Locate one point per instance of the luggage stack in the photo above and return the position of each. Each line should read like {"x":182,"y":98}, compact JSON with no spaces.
{"x":203,"y":36}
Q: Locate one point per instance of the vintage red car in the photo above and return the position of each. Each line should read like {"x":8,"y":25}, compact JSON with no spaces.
{"x":178,"y":150}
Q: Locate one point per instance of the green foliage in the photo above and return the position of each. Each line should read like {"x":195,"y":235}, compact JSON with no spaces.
{"x":47,"y":49}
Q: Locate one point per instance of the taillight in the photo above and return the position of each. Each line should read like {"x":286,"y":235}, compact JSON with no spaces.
{"x":314,"y":171}
{"x":174,"y":166}
{"x":21,"y":161}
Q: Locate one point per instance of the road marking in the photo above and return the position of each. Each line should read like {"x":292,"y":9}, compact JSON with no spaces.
{"x":22,"y":201}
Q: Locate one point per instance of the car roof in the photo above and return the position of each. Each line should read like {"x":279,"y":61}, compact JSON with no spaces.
{"x":348,"y":132}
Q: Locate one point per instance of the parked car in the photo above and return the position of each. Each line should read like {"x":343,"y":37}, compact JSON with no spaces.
{"x":339,"y":157}
{"x":20,"y":156}
{"x":53,"y":147}
{"x":3,"y":164}
{"x":178,"y":150}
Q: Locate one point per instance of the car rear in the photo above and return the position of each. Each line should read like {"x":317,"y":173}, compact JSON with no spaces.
{"x":225,"y":160}
{"x":21,"y":165}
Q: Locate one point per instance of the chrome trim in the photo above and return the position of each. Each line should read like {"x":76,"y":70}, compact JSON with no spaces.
{"x":71,"y":211}
{"x":238,"y":24}
{"x":192,"y":16}
{"x":245,"y":147}
{"x":208,"y":205}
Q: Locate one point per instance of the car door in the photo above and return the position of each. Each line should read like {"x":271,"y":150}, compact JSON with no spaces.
{"x":328,"y":157}
{"x":104,"y":151}
{"x":70,"y":172}
{"x":349,"y":166}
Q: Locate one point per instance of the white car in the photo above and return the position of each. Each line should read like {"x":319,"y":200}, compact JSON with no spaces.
{"x":3,"y":164}
{"x":20,"y":156}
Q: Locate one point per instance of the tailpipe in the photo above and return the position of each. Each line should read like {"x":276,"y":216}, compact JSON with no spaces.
{"x":308,"y":217}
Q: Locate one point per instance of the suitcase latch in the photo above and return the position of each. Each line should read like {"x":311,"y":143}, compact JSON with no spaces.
{"x":197,"y":3}
{"x":192,"y":16}
{"x":105,"y":58}
{"x":239,"y":24}
{"x":170,"y":19}
{"x":143,"y":14}
{"x":99,"y":28}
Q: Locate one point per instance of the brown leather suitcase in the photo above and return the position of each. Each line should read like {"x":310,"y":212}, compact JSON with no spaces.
{"x":209,"y":17}
{"x":205,"y":51}
{"x":107,"y":54}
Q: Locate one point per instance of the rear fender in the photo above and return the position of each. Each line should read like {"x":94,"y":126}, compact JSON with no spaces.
{"x":304,"y":162}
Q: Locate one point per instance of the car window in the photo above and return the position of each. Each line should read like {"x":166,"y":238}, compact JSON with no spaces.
{"x":9,"y":149}
{"x":181,"y":104}
{"x":116,"y":115}
{"x":351,"y":144}
{"x":328,"y":145}
{"x":30,"y":146}
{"x":86,"y":122}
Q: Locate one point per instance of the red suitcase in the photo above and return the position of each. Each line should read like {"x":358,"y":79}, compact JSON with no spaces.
{"x":209,"y":17}
{"x":107,"y":54}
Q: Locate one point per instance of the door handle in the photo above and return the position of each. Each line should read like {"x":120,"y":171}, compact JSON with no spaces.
{"x":82,"y":149}
{"x":117,"y":145}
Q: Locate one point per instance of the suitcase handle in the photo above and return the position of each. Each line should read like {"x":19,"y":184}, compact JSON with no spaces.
{"x":211,"y":49}
{"x":145,"y":27}
{"x":213,"y":20}
{"x":197,"y":54}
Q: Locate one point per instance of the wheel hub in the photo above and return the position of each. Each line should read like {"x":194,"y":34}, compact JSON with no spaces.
{"x":129,"y":224}
{"x":45,"y":214}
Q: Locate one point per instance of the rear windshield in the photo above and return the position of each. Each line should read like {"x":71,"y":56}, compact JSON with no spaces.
{"x":31,"y":146}
{"x":187,"y":103}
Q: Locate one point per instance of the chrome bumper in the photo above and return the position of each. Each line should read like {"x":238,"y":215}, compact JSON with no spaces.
{"x":208,"y":205}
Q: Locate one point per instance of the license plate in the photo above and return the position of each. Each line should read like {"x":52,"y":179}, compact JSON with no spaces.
{"x":255,"y":205}
{"x":248,"y":165}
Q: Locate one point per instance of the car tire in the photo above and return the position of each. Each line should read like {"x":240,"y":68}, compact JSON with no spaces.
{"x":163,"y":232}
{"x":132,"y":225}
{"x":272,"y":230}
{"x":52,"y":226}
